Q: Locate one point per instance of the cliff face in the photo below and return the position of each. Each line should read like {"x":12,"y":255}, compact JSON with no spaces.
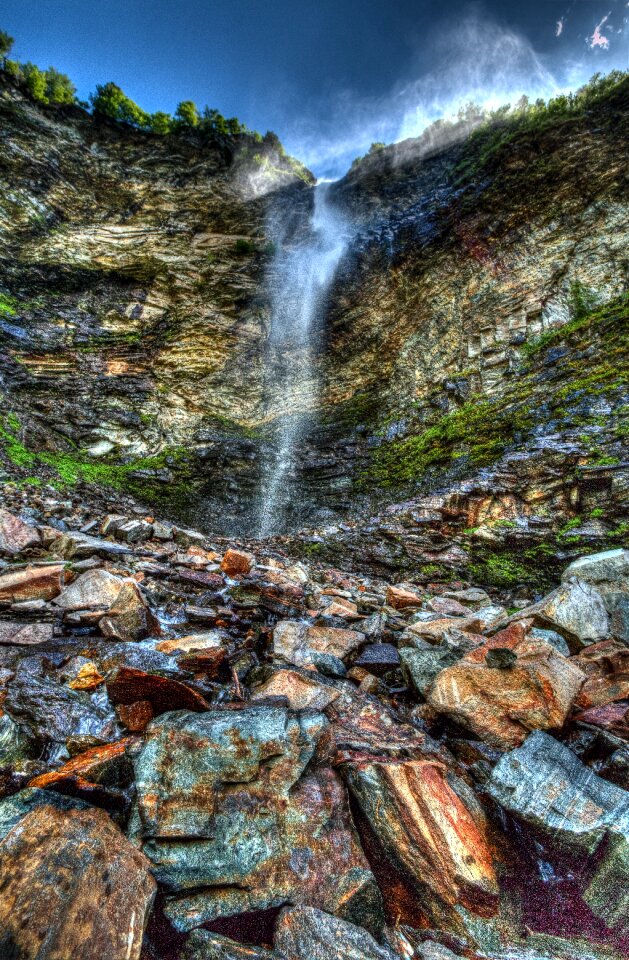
{"x":135,"y":325}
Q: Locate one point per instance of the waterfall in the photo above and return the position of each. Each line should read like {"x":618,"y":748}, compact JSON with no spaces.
{"x":299,"y":279}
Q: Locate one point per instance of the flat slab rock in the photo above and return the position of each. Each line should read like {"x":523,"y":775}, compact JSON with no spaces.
{"x":15,"y":535}
{"x":71,"y":885}
{"x":267,"y":827}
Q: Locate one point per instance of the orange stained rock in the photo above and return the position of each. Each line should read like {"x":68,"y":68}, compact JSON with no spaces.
{"x":84,"y":765}
{"x":88,"y":678}
{"x":425,"y":826}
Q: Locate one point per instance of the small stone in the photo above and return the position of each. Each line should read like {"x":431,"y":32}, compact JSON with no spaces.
{"x":135,"y":716}
{"x":378,"y":658}
{"x":401,"y":599}
{"x":500,"y":658}
{"x":448,"y":607}
{"x":24,"y":634}
{"x":237,"y":562}
{"x":88,"y":678}
{"x":192,"y":641}
{"x":129,"y":618}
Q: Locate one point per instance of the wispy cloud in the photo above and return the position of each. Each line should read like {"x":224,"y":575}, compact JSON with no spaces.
{"x":598,"y":39}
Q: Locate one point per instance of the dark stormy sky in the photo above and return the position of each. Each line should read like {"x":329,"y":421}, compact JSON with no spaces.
{"x":329,"y":76}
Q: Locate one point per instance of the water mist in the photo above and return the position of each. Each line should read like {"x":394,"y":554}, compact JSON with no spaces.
{"x":300,"y":278}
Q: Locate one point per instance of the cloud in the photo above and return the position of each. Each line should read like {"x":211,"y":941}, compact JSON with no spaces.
{"x":559,"y":26}
{"x":597,"y":39}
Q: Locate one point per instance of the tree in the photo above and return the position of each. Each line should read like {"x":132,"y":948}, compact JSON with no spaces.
{"x":160,"y":122}
{"x":187,"y":113}
{"x":214,"y":122}
{"x":59,"y":87}
{"x":35,"y":81}
{"x":6,"y":43}
{"x":110,"y":101}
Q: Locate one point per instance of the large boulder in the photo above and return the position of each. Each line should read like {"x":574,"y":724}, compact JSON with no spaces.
{"x":204,"y":945}
{"x":434,"y":835}
{"x":422,"y":666}
{"x":71,"y":885}
{"x":129,"y":618}
{"x":302,"y":690}
{"x":544,"y":784}
{"x":576,"y":610}
{"x":501,"y":697}
{"x":606,"y":667}
{"x":608,"y":573}
{"x":235,"y":816}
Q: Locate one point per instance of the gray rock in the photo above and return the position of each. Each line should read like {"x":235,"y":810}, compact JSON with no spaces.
{"x":576,"y":610}
{"x":234,"y":817}
{"x":303,"y":933}
{"x":608,"y":570}
{"x":378,"y":658}
{"x":550,"y":636}
{"x":13,"y":809}
{"x":420,"y":667}
{"x":545,"y":784}
{"x":203,"y":945}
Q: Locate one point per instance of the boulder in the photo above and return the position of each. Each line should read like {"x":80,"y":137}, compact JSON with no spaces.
{"x":340,"y":607}
{"x":576,"y":610}
{"x":129,"y":618}
{"x":296,"y":642}
{"x":24,"y":634}
{"x":435,"y":839}
{"x":302,"y":692}
{"x":378,"y":658}
{"x":14,"y":808}
{"x":33,"y":583}
{"x":15,"y":535}
{"x":237,"y":562}
{"x":72,"y":545}
{"x":93,"y":590}
{"x":473,"y":597}
{"x":92,"y":890}
{"x":448,"y":607}
{"x":304,"y":933}
{"x":234,"y":817}
{"x":502,"y":706}
{"x":421,"y":667}
{"x":434,"y":631}
{"x":210,"y":639}
{"x":127,"y":686}
{"x":607,"y":571}
{"x":606,"y":668}
{"x":544,"y":784}
{"x":203,"y":945}
{"x":51,"y":711}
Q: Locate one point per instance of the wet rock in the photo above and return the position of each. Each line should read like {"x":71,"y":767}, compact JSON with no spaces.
{"x":15,"y":535}
{"x":301,"y":692}
{"x":210,"y":639}
{"x":24,"y":634}
{"x":296,"y":642}
{"x":127,"y":686}
{"x":71,"y":545}
{"x":237,"y":562}
{"x":52,"y":711}
{"x":100,"y":764}
{"x":135,"y":716}
{"x":434,"y":631}
{"x":378,"y":658}
{"x":437,"y":841}
{"x":500,"y":658}
{"x":133,"y":531}
{"x":329,"y":665}
{"x":606,"y":668}
{"x":448,"y":607}
{"x":129,"y":618}
{"x":203,"y":945}
{"x":93,"y":590}
{"x":74,"y":862}
{"x":502,"y":706}
{"x":304,"y":933}
{"x":234,"y":817}
{"x":33,"y":583}
{"x":211,"y":662}
{"x":87,"y":678}
{"x":15,"y":808}
{"x":364,"y":724}
{"x":401,"y":598}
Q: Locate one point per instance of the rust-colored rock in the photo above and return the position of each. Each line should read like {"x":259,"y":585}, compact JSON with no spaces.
{"x":135,"y":716}
{"x":88,"y":678}
{"x":237,"y":562}
{"x":33,"y":583}
{"x":401,"y":599}
{"x":15,"y":535}
{"x":89,"y":765}
{"x":126,"y":685}
{"x":301,"y":691}
{"x":606,"y":668}
{"x":71,"y":885}
{"x":613,"y":717}
{"x":211,"y":662}
{"x":502,"y":706}
{"x":436,"y":840}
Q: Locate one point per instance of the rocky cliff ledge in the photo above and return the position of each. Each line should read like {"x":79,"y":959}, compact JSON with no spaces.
{"x":136,"y":309}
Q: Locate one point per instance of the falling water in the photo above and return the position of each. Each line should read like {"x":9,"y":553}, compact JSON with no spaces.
{"x":300,"y":279}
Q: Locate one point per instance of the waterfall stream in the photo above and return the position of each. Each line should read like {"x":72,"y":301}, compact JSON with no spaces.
{"x":300,"y":278}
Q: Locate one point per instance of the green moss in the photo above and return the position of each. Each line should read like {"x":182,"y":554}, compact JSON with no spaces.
{"x":7,"y":305}
{"x":501,"y":570}
{"x":479,"y":430}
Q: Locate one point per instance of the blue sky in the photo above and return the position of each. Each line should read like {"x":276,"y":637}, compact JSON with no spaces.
{"x":329,"y":76}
